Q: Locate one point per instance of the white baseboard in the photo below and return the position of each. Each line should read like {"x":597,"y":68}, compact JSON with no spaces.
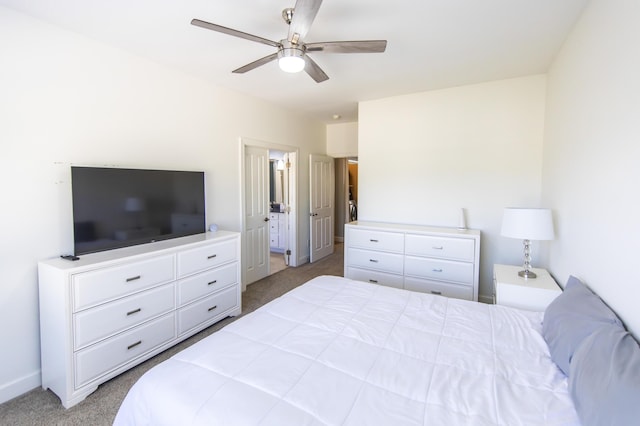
{"x":19,"y":386}
{"x":338,"y":239}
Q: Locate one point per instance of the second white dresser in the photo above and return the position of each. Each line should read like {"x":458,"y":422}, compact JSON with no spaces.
{"x":443,"y":261}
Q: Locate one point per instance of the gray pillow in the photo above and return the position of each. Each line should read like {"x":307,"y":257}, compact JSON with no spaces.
{"x":572,"y":317}
{"x":604,"y":379}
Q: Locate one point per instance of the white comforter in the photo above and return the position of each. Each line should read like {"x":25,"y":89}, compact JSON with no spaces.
{"x":342,"y":352}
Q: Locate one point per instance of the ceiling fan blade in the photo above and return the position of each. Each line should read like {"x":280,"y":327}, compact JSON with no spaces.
{"x":232,"y":32}
{"x":314,"y":71}
{"x":304,"y":13}
{"x":255,"y":64}
{"x":363,"y":46}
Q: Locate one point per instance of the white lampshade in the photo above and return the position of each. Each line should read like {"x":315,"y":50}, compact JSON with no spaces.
{"x":527,"y":224}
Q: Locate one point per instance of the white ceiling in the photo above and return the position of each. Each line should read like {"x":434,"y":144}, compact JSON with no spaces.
{"x":432,"y":44}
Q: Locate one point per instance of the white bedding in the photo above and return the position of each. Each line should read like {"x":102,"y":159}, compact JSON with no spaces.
{"x":340,"y":352}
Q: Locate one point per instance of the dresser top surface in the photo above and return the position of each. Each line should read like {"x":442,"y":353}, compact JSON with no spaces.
{"x":153,"y":248}
{"x":398,"y":227}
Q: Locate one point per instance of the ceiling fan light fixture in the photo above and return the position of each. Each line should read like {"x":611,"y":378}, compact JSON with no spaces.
{"x":291,"y":59}
{"x":291,"y":64}
{"x":292,"y":51}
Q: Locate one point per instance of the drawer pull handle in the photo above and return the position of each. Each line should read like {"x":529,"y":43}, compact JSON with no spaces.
{"x":212,"y":282}
{"x":437,"y":270}
{"x":212,"y":256}
{"x":373,"y":241}
{"x":373,"y":281}
{"x":212,"y":308}
{"x":436,"y":292}
{"x":373,"y":260}
{"x":133,"y":345}
{"x":135,"y":311}
{"x":137,"y":277}
{"x":438,"y":247}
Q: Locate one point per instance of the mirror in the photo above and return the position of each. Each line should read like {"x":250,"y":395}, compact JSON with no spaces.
{"x":276,"y":182}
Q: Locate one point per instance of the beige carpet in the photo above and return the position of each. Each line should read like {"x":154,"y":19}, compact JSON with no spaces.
{"x":40,"y":407}
{"x":277,"y":262}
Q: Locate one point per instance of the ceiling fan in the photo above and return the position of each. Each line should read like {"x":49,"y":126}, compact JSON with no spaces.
{"x":292,"y":54}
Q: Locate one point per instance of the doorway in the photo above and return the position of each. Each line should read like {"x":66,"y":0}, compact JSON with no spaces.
{"x":352,"y":188}
{"x":346,"y":194}
{"x":278,"y":203}
{"x":260,"y":177}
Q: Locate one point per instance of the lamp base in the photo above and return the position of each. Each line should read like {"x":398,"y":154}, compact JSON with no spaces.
{"x":527,"y":274}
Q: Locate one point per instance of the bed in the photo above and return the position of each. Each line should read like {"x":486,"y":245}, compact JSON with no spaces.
{"x":340,"y":352}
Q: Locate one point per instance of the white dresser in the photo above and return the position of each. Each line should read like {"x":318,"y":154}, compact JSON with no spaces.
{"x":109,"y":311}
{"x":442,"y":261}
{"x":276,"y":231}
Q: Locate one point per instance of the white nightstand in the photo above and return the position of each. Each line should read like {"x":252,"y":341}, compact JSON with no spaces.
{"x":531,"y":294}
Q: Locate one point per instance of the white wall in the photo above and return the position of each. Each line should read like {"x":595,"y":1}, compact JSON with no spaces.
{"x":342,"y":140}
{"x":67,"y":99}
{"x":592,"y":155}
{"x":424,"y":156}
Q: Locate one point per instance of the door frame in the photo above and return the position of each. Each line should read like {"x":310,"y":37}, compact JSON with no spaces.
{"x":292,"y":234}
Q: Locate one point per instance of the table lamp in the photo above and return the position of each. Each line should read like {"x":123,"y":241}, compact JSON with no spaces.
{"x":527,"y":224}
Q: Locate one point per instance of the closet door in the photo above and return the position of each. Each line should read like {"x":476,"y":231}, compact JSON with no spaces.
{"x":321,"y":208}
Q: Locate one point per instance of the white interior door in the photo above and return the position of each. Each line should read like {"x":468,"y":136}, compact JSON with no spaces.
{"x":321,"y":209}
{"x":256,"y":232}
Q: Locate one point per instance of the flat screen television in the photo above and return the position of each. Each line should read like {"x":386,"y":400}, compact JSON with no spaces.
{"x":115,"y":207}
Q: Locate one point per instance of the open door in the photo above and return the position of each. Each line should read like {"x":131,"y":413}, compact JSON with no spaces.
{"x":321,"y":209}
{"x":256,"y":208}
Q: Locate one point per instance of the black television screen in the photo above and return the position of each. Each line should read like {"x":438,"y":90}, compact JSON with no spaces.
{"x":115,"y":207}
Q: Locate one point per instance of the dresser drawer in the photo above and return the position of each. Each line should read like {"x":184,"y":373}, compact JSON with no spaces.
{"x":207,"y":309}
{"x":436,"y":269}
{"x":439,"y":288}
{"x":376,"y":240}
{"x":106,"y":320}
{"x":194,"y":287}
{"x":375,"y":260}
{"x":375,"y":277}
{"x":440,"y":247}
{"x":91,"y":288}
{"x":199,"y":259}
{"x":99,"y":359}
